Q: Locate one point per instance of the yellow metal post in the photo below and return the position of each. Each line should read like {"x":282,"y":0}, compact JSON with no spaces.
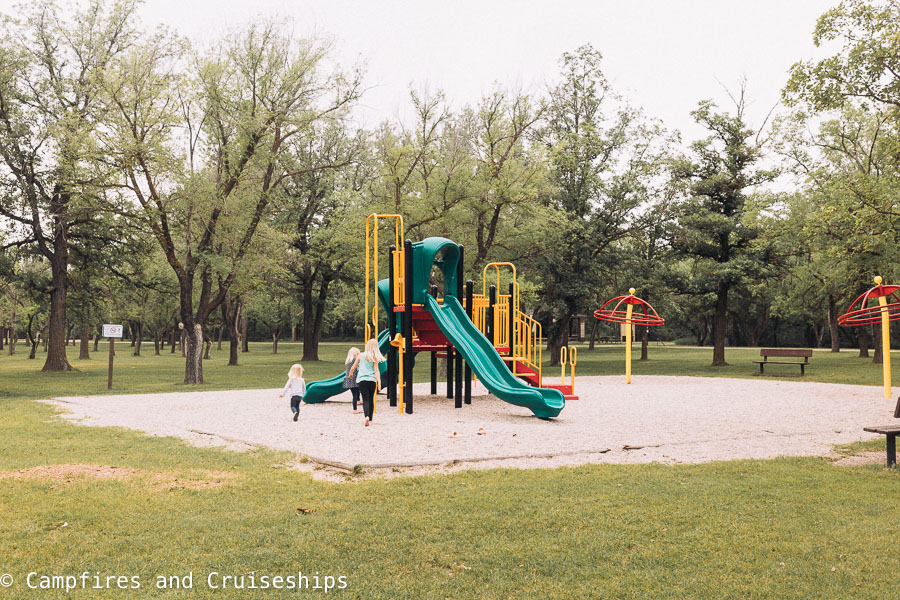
{"x":562,"y":364}
{"x":399,"y":343}
{"x":573,"y":358}
{"x":628,"y":312}
{"x":885,"y":342}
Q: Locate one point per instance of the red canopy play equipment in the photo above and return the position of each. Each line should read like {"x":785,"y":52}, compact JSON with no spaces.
{"x":647,"y":316}
{"x":886,"y":310}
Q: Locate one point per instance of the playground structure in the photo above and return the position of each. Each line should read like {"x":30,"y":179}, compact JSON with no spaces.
{"x":485,"y":336}
{"x":860,"y":314}
{"x":629,"y":318}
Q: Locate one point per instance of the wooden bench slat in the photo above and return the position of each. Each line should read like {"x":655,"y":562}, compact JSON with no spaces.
{"x":887,"y":429}
{"x":786,"y":352}
{"x":780,"y":362}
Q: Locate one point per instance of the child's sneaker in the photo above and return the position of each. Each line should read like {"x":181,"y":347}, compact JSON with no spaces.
{"x":296,"y":414}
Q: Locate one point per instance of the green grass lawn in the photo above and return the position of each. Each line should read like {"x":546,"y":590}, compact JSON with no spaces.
{"x":787,"y":528}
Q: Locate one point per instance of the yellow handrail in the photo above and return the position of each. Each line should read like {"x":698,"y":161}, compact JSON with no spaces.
{"x":399,"y":241}
{"x":528,"y":335}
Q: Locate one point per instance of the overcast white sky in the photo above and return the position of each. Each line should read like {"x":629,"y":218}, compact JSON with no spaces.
{"x":663,"y":55}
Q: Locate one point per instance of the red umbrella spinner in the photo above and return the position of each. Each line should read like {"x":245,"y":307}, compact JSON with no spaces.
{"x":634,"y":312}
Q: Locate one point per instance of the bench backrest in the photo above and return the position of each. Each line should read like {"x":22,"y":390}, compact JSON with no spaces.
{"x":786,"y":352}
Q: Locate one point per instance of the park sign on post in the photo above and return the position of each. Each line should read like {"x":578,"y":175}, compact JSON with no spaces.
{"x":111,"y":332}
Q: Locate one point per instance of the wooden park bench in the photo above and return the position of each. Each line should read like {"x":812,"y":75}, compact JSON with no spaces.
{"x":890,"y":431}
{"x":803,"y":353}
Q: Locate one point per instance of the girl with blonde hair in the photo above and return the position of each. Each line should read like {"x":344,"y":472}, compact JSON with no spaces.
{"x":350,"y":377}
{"x":296,"y":385}
{"x":369,"y":376}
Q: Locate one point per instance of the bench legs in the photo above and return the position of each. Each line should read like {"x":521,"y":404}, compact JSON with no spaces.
{"x":761,"y":365}
{"x":891,"y":449}
{"x":801,"y":370}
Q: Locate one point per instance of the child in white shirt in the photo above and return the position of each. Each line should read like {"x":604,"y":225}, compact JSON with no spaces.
{"x":296,"y":385}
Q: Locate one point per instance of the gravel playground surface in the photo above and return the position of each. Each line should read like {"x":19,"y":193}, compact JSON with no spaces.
{"x":656,"y":419}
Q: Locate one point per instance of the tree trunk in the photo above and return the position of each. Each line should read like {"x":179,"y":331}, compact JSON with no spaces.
{"x":157,"y":339}
{"x":245,"y":326}
{"x":230,"y":312}
{"x":56,"y":338}
{"x":559,"y":339}
{"x":131,"y":332}
{"x":593,"y":333}
{"x":29,"y":335}
{"x":276,"y":333}
{"x":97,"y":338}
{"x":85,"y":353}
{"x":313,"y":313}
{"x":219,"y":344}
{"x":820,"y":333}
{"x":208,"y":348}
{"x":181,"y":342}
{"x":720,"y":325}
{"x":293,"y":333}
{"x":863,"y":342}
{"x":645,"y":342}
{"x":138,"y":333}
{"x":172,"y":335}
{"x":833,"y":330}
{"x":193,"y":367}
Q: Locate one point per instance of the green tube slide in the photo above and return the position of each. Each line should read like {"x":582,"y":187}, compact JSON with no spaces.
{"x":487,"y":364}
{"x":320,"y":391}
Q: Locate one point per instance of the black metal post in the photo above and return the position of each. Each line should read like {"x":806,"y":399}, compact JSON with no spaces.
{"x":891,"y":450}
{"x":434,"y":373}
{"x":392,"y":329}
{"x":449,"y":371}
{"x":408,"y":328}
{"x":469,"y":299}
{"x":458,"y":392}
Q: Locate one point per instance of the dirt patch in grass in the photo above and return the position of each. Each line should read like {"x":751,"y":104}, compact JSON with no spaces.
{"x":860,"y":459}
{"x":162,"y":480}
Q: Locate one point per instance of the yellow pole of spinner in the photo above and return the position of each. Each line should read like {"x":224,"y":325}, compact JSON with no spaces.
{"x":628,"y":312}
{"x":885,"y":342}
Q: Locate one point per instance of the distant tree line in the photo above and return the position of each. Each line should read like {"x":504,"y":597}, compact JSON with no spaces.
{"x":201,"y":195}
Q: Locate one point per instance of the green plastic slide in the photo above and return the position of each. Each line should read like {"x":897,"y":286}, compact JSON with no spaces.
{"x":320,"y":391}
{"x":487,"y":364}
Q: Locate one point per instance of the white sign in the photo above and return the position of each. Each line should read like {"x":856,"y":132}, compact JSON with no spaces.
{"x":112,"y":331}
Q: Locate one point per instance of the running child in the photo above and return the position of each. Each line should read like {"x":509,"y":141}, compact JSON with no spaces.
{"x":296,"y":385}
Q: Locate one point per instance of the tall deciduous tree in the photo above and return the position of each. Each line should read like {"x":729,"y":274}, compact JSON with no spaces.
{"x":715,"y":227}
{"x":603,"y":160}
{"x":52,"y":66}
{"x":318,"y":211}
{"x":236,"y":112}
